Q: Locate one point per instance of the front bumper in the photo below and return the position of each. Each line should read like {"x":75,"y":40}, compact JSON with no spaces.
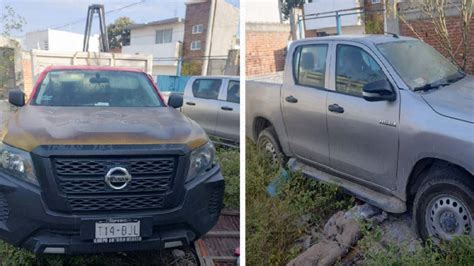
{"x":26,"y":221}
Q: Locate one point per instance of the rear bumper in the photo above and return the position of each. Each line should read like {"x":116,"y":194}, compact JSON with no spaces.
{"x":25,"y":221}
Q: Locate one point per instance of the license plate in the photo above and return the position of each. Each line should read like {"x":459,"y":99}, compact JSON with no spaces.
{"x":114,"y":231}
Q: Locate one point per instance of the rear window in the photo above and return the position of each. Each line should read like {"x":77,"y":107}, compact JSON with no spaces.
{"x":96,"y":88}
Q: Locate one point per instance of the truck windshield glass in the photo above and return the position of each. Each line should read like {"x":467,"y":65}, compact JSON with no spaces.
{"x":96,"y":88}
{"x":419,"y":64}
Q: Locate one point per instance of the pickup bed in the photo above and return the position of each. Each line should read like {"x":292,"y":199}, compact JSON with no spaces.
{"x":387,"y":118}
{"x":96,"y":161}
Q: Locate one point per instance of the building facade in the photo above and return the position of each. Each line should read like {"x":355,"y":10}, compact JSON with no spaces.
{"x":210,"y":31}
{"x":59,"y":41}
{"x":163,"y":39}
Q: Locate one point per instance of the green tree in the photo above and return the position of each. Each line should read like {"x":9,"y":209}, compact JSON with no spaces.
{"x":287,"y":5}
{"x":118,"y":35}
{"x":10,"y":22}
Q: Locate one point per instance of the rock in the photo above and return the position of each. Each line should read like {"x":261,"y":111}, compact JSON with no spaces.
{"x":323,"y":253}
{"x":340,"y":233}
{"x":304,"y":242}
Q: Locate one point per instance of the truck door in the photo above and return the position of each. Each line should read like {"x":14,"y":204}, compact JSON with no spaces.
{"x":228,"y":117}
{"x":363,"y":135}
{"x":303,"y":103}
{"x":201,"y":102}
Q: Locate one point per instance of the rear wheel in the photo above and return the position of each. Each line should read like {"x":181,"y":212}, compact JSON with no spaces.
{"x":444,"y":205}
{"x":267,"y":143}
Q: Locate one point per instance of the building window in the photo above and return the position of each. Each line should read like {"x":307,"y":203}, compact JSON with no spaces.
{"x":164,"y":36}
{"x":46,"y":45}
{"x":376,"y":1}
{"x":196,"y":45}
{"x":197,"y":29}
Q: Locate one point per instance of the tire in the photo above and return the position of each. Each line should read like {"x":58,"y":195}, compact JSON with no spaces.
{"x":444,"y":204}
{"x":267,"y":143}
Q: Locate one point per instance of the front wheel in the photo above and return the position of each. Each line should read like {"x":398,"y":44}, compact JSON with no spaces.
{"x":267,"y":143}
{"x":444,"y":204}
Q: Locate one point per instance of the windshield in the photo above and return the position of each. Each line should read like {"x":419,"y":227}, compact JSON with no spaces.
{"x":96,"y":88}
{"x":417,"y":63}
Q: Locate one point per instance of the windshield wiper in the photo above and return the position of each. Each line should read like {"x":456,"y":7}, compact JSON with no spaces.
{"x":431,"y":86}
{"x":458,"y":76}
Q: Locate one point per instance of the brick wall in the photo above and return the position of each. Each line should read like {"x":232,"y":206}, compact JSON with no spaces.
{"x":425,"y":28}
{"x":197,"y":13}
{"x":265,"y":47}
{"x":27,"y":75}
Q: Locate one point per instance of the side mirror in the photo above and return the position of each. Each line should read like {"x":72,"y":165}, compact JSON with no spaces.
{"x":379,"y":90}
{"x":16,"y":97}
{"x":175,"y":100}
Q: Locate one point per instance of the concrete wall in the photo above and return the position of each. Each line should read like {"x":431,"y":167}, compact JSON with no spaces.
{"x":226,"y":23}
{"x":147,"y":35}
{"x":263,"y":11}
{"x":142,"y":41}
{"x":266,"y":47}
{"x":59,"y":41}
{"x":163,"y":70}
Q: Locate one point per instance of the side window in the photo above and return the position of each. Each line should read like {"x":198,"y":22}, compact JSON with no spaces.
{"x":310,"y":65}
{"x":354,"y":69}
{"x":206,"y":88}
{"x":233,"y":91}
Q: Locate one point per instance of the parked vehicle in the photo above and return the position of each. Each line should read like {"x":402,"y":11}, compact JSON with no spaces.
{"x":95,"y":161}
{"x":214,"y":103}
{"x":387,"y":118}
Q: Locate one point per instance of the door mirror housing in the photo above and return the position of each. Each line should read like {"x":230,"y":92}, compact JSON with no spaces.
{"x":380,"y":90}
{"x":175,"y":100}
{"x":16,"y":97}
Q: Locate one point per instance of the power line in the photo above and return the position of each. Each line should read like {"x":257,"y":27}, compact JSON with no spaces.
{"x":84,"y":20}
{"x":108,"y":12}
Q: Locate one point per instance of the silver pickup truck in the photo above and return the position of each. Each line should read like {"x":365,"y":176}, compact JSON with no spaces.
{"x":214,"y":103}
{"x":387,"y":118}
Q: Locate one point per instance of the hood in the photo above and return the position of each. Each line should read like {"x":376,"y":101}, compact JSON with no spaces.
{"x":454,"y":101}
{"x":32,"y":126}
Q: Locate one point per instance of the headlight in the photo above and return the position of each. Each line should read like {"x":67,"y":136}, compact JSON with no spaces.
{"x":18,"y":163}
{"x":202,"y":159}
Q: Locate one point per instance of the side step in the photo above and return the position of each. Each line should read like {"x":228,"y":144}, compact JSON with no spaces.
{"x":385,"y":202}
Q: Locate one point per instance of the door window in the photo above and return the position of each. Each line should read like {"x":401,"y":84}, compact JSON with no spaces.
{"x":310,"y":65}
{"x":233,"y":91}
{"x":354,"y":69}
{"x":207,"y":88}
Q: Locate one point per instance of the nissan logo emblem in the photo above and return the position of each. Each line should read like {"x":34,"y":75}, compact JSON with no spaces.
{"x":117,"y":178}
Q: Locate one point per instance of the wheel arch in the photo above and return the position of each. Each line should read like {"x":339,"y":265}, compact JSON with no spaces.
{"x":416,"y":178}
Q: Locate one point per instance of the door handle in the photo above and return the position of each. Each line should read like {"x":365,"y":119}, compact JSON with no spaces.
{"x":335,"y":108}
{"x":190,"y":103}
{"x":226,"y":108}
{"x":291,"y":99}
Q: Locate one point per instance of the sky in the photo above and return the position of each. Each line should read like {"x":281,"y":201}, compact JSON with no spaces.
{"x":40,"y":15}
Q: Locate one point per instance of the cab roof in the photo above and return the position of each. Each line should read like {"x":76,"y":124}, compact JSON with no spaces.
{"x":365,"y":39}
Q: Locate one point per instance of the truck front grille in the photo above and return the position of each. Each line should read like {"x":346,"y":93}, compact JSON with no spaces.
{"x":117,"y":203}
{"x":82,"y":182}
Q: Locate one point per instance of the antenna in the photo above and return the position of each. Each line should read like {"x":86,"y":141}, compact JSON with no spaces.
{"x":394,"y":35}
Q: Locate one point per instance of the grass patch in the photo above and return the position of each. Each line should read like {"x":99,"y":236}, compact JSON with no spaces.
{"x":229,"y":160}
{"x":459,"y":251}
{"x":274,"y":224}
{"x":230,"y":166}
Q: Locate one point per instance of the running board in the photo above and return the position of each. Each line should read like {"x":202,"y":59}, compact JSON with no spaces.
{"x":385,"y":202}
